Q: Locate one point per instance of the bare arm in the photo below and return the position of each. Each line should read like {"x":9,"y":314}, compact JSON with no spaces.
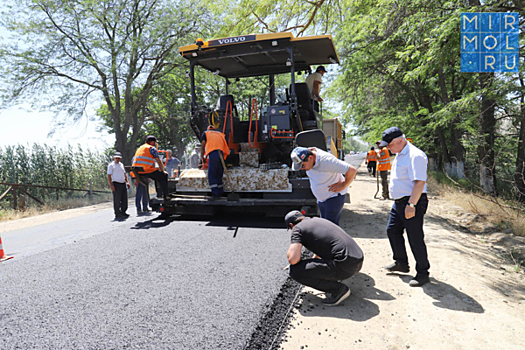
{"x":161,"y":166}
{"x":111,"y":183}
{"x":317,"y":90}
{"x":349,"y":177}
{"x":203,"y":147}
{"x":127,"y":182}
{"x":417,"y":190}
{"x":294,"y":253}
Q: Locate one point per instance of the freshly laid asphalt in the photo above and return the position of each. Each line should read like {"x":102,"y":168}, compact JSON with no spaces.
{"x":90,"y":282}
{"x":141,"y":283}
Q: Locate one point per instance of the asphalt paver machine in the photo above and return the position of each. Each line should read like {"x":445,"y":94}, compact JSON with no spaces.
{"x":259,"y":164}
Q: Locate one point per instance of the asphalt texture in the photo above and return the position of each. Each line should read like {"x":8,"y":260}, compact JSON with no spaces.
{"x":141,"y":283}
{"x":91,"y":282}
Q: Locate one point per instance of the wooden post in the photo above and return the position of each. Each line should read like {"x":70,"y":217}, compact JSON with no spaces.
{"x":15,"y":199}
{"x":57,"y":194}
{"x":90,"y":188}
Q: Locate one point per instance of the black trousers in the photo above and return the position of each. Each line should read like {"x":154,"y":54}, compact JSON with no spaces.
{"x":120,"y":198}
{"x":372,"y":168}
{"x":162,"y":179}
{"x":325,"y":275}
{"x":397,"y":224}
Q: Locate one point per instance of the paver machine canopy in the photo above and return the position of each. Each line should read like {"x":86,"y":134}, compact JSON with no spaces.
{"x":260,"y":55}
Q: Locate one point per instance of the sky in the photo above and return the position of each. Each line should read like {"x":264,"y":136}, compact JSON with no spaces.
{"x":20,"y":125}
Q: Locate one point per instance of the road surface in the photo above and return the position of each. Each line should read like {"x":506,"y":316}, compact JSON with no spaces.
{"x":90,"y":282}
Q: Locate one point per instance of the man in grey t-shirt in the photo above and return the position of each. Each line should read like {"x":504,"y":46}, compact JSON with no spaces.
{"x":336,"y":256}
{"x":326,"y":179}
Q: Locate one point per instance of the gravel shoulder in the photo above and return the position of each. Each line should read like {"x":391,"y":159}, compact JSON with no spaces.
{"x":472,"y":302}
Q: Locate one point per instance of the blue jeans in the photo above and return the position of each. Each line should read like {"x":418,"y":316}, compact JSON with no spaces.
{"x":397,"y":224}
{"x":332,"y":208}
{"x":215,"y":172}
{"x":141,"y":197}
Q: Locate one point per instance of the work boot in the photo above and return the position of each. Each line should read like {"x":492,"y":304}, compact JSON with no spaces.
{"x":419,"y":280}
{"x":395,"y":267}
{"x":336,"y":298}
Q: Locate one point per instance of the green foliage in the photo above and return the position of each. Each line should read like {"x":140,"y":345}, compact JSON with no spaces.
{"x":50,"y":166}
{"x":76,"y":52}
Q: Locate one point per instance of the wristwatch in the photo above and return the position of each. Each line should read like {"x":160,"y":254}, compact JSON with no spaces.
{"x":411,"y":205}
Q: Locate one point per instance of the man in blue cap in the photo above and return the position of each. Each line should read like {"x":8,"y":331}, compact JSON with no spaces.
{"x":327,"y":182}
{"x":336,"y":256}
{"x":409,"y":190}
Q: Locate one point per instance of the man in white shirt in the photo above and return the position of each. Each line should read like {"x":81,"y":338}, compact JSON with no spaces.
{"x":118,"y":181}
{"x":314,"y":81}
{"x":326,"y":179}
{"x":409,"y":190}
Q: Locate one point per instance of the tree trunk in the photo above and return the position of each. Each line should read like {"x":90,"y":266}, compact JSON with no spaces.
{"x":519,"y":175}
{"x":485,"y":150}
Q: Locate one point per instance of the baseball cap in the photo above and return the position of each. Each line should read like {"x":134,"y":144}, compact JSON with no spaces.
{"x":298,"y":155}
{"x":390,"y":134}
{"x":151,"y":138}
{"x":321,"y":69}
{"x":117,"y":155}
{"x":292,"y":216}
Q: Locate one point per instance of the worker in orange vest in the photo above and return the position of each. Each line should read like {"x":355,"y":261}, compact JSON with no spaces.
{"x":214,"y":145}
{"x":383,"y":166}
{"x":146,"y":156}
{"x":371,"y":160}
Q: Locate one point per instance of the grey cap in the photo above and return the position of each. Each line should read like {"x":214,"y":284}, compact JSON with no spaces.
{"x":117,"y":155}
{"x":292,"y":216}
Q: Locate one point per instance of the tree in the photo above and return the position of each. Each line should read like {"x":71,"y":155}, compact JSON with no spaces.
{"x":77,"y":52}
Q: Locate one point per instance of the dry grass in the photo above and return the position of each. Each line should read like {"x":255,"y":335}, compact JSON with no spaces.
{"x":494,"y":212}
{"x":62,"y":204}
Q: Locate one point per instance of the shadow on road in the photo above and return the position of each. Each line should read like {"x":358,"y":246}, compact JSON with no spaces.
{"x":358,"y":307}
{"x":231,"y":222}
{"x":447,"y":296}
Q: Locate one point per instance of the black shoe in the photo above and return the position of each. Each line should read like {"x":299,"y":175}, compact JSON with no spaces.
{"x":419,"y":280}
{"x":124,"y":215}
{"x":146,"y":211}
{"x":336,"y":298}
{"x":395,"y":267}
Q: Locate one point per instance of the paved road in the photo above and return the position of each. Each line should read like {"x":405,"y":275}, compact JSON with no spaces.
{"x":148,"y":284}
{"x":93,"y":283}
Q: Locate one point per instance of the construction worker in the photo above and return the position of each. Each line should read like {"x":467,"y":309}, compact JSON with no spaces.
{"x":371,"y":161}
{"x":337,"y":256}
{"x":146,"y":156}
{"x":383,"y":166}
{"x":327,"y":182}
{"x":172,"y":164}
{"x":314,"y":81}
{"x":214,"y":146}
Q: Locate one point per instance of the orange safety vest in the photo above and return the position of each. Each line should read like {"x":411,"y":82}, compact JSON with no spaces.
{"x":216,"y":140}
{"x":384,"y":160}
{"x":371,"y":156}
{"x":144,"y":159}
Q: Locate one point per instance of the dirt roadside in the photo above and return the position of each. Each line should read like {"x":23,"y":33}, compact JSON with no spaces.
{"x":472,"y":302}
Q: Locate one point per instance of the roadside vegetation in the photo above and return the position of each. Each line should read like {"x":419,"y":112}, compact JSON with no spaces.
{"x":69,"y":168}
{"x":495,"y":221}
